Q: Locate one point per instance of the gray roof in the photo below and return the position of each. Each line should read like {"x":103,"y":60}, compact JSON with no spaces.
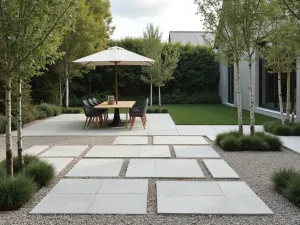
{"x":191,"y":37}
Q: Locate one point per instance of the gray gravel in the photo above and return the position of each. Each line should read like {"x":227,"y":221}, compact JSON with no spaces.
{"x":255,"y":168}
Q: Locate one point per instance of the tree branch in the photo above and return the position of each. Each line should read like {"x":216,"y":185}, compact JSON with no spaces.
{"x":43,"y":40}
{"x":290,"y":9}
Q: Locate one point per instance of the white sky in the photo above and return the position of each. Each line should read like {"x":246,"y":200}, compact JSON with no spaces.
{"x":131,"y":16}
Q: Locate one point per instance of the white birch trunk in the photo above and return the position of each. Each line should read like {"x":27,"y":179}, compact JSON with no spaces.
{"x":67,"y":92}
{"x":251,"y":102}
{"x":60,"y":92}
{"x":9,"y":153}
{"x":238,"y":96}
{"x":159,"y":98}
{"x":151,"y":88}
{"x":280,"y":98}
{"x":20,"y":136}
{"x":288,"y":97}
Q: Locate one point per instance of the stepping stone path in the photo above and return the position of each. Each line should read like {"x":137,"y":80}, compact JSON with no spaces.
{"x":179,"y":140}
{"x":65,"y":151}
{"x":218,"y":168}
{"x":90,"y":191}
{"x":195,"y":152}
{"x":168,"y":168}
{"x":196,"y":197}
{"x":96,"y":168}
{"x":95,"y":196}
{"x":148,"y":151}
{"x":36,"y":149}
{"x":129,"y":140}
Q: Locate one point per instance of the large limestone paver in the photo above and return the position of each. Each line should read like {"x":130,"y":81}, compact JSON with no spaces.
{"x":65,"y":151}
{"x":292,"y":143}
{"x":197,"y":197}
{"x":96,"y":168}
{"x":179,"y":140}
{"x":195,"y":152}
{"x":35,"y":149}
{"x":218,"y":168}
{"x":58,"y":163}
{"x":166,"y":168}
{"x":129,"y":140}
{"x":77,"y":186}
{"x":129,"y":151}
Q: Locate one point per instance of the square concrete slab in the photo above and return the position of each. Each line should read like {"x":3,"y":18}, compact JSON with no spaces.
{"x":179,"y":140}
{"x":152,"y":151}
{"x":221,"y":205}
{"x":111,"y":151}
{"x":96,"y":168}
{"x":119,"y":204}
{"x":36,"y":149}
{"x":65,"y":151}
{"x":123,"y":186}
{"x":141,"y":168}
{"x":211,"y":137}
{"x":195,"y":152}
{"x":235,"y":188}
{"x":77,"y":186}
{"x":64,"y":204}
{"x":58,"y":163}
{"x":128,"y":140}
{"x":167,"y":168}
{"x":187,"y":188}
{"x":218,"y":168}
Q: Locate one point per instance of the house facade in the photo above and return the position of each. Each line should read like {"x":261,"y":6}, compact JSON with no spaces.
{"x":265,"y":85}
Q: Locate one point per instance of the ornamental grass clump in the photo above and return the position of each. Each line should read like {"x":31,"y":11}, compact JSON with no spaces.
{"x":282,"y":177}
{"x":41,"y":172}
{"x":16,"y":191}
{"x":292,"y":190}
{"x":288,"y":129}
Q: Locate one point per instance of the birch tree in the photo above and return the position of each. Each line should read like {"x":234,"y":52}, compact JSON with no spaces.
{"x":222,"y":18}
{"x":25,"y":27}
{"x":152,"y":48}
{"x":90,"y":33}
{"x":256,"y":18}
{"x":280,"y":53}
{"x":167,"y":63}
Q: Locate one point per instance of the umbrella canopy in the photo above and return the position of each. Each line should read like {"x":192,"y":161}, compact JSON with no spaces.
{"x":115,"y":55}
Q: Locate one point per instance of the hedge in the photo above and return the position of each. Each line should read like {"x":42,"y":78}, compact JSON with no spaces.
{"x":277,"y":128}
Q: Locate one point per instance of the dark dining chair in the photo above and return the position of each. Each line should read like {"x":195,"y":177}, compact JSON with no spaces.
{"x":139,"y":111}
{"x":92,"y":114}
{"x":93,"y":102}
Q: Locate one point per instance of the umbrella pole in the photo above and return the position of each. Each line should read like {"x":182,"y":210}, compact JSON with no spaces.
{"x":117,"y":119}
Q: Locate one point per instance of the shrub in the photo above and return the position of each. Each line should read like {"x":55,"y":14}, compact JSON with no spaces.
{"x":41,"y":172}
{"x":149,"y":110}
{"x":15,"y":192}
{"x":292,"y":190}
{"x":274,"y":143}
{"x":250,"y":143}
{"x":268,"y":126}
{"x":56,"y":110}
{"x":71,"y":110}
{"x":2,"y":172}
{"x":165,"y":111}
{"x":46,"y":108}
{"x":296,"y":130}
{"x":28,"y":159}
{"x":40,"y":114}
{"x":230,"y":143}
{"x":14,"y":123}
{"x":282,"y":177}
{"x":156,"y":111}
{"x":28,"y":115}
{"x":282,"y":129}
{"x":77,"y":111}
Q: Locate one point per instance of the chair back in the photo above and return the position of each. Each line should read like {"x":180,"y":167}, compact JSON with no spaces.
{"x":91,"y":102}
{"x":96,"y":102}
{"x":87,"y":109}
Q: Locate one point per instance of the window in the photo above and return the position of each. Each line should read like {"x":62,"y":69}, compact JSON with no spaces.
{"x":231,"y":84}
{"x":268,"y":88}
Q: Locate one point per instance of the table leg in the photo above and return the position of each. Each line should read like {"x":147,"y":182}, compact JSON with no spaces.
{"x":126,"y":117}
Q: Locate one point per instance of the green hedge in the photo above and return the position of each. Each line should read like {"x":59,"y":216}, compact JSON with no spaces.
{"x":277,"y":128}
{"x":234,"y":141}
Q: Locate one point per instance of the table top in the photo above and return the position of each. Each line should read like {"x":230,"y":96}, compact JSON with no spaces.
{"x":121,"y":104}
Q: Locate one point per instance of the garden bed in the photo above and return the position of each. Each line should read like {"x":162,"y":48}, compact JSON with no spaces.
{"x":277,"y":128}
{"x":234,"y":141}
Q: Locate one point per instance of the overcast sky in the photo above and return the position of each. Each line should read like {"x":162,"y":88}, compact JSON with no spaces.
{"x":131,"y":16}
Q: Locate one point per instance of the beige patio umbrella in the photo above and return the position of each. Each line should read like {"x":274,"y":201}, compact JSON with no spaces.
{"x":115,"y":56}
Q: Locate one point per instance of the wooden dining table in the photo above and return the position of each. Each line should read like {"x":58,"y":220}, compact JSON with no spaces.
{"x":121,"y":105}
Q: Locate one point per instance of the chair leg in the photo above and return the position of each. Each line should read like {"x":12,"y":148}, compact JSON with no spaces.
{"x":97,"y":121}
{"x":86,"y":122}
{"x":89,"y":122}
{"x":142,"y":119}
{"x":132,"y":122}
{"x":101,"y":120}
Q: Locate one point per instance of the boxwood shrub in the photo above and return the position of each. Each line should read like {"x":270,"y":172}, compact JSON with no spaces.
{"x":287,"y":182}
{"x":289,"y":129}
{"x":46,"y":108}
{"x":234,"y":141}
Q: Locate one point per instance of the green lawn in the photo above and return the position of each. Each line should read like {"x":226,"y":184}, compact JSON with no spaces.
{"x":210,"y":115}
{"x":198,"y":114}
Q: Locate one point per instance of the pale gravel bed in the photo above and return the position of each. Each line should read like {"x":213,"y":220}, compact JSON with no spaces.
{"x":254,"y":168}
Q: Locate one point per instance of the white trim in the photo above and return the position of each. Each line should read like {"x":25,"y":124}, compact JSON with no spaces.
{"x":229,"y":104}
